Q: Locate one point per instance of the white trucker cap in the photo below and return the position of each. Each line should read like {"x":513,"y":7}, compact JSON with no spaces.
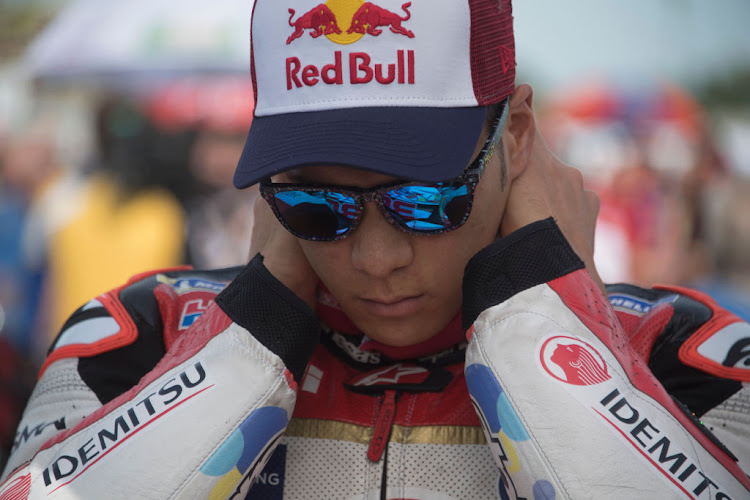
{"x":400,"y":88}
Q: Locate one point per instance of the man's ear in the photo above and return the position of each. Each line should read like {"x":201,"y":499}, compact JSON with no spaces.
{"x":520,"y":130}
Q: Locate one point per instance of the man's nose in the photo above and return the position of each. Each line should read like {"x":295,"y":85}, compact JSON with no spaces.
{"x":378,"y":247}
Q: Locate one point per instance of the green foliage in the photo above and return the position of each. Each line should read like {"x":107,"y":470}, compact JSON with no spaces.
{"x":728,"y":91}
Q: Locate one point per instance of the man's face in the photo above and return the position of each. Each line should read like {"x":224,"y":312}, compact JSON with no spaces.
{"x":399,"y":288}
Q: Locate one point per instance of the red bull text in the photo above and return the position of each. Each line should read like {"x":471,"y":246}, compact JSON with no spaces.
{"x":360,"y":69}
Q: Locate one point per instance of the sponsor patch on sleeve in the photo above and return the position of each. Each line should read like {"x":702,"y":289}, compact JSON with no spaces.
{"x":182,"y":301}
{"x":636,"y":306}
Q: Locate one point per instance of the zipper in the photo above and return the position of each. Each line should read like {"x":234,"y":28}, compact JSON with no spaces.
{"x":389,"y":382}
{"x":383,"y":425}
{"x":380,"y":435}
{"x":384,"y":477}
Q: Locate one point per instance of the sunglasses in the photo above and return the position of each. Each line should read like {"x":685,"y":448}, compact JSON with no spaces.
{"x":330,"y":213}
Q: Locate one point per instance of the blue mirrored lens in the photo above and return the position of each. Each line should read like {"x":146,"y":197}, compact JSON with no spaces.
{"x":428,"y":208}
{"x":316,"y":214}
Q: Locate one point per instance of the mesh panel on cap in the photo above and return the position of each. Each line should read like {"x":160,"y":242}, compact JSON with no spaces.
{"x":493,"y":50}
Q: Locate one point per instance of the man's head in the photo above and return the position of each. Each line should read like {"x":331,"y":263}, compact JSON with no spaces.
{"x":352,"y":95}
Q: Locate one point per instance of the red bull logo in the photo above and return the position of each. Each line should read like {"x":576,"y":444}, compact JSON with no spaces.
{"x":370,"y":18}
{"x":359,"y":18}
{"x":345,"y":22}
{"x":320,"y":21}
{"x":572,"y":361}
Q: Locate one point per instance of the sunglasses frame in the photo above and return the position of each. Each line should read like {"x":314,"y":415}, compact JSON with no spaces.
{"x":469,"y":177}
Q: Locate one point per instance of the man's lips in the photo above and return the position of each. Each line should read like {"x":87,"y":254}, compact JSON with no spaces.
{"x":394,"y":307}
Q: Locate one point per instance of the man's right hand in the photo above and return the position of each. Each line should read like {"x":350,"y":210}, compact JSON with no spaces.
{"x":282,"y":254}
{"x":547,"y":187}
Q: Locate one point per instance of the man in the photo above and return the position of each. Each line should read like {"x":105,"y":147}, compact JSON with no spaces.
{"x":413,"y":206}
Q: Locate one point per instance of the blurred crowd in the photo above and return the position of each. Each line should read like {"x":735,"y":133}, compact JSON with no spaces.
{"x":156,"y":192}
{"x":672,"y":204}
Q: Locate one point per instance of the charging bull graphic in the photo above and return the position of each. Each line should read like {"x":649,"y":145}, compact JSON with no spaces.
{"x":321,"y":20}
{"x":572,"y":361}
{"x":369,"y":17}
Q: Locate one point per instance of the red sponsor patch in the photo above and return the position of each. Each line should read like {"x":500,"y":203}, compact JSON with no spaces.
{"x":573,"y":361}
{"x":179,"y":312}
{"x":17,"y":489}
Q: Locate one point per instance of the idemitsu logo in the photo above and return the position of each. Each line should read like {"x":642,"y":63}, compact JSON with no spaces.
{"x":655,"y":439}
{"x":573,"y":361}
{"x":120,"y":425}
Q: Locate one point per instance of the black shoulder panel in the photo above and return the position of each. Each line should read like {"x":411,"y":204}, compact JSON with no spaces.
{"x":109,"y":374}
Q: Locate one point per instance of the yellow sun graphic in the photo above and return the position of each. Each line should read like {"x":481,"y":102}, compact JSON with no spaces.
{"x":344,"y":10}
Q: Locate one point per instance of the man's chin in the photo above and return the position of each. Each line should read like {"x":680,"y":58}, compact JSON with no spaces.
{"x":398,"y":333}
{"x":405,"y":330}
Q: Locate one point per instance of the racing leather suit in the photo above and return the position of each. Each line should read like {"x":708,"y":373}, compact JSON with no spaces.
{"x":224,"y":384}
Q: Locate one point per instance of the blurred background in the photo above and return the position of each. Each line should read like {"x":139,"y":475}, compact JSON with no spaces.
{"x":121,"y":123}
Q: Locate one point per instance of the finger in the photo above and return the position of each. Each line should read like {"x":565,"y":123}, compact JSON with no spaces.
{"x":263,"y":218}
{"x":594,"y":202}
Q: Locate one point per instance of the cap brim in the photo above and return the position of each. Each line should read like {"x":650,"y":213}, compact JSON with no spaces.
{"x":426,"y":144}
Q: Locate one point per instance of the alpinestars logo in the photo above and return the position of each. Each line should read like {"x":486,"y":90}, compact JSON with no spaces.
{"x":572,"y":361}
{"x":395,"y":374}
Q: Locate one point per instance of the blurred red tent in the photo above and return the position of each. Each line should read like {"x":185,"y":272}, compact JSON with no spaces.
{"x":647,"y":152}
{"x":117,"y":42}
{"x":222,"y":104}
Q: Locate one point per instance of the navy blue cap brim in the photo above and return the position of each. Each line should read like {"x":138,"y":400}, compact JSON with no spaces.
{"x":425,"y":144}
